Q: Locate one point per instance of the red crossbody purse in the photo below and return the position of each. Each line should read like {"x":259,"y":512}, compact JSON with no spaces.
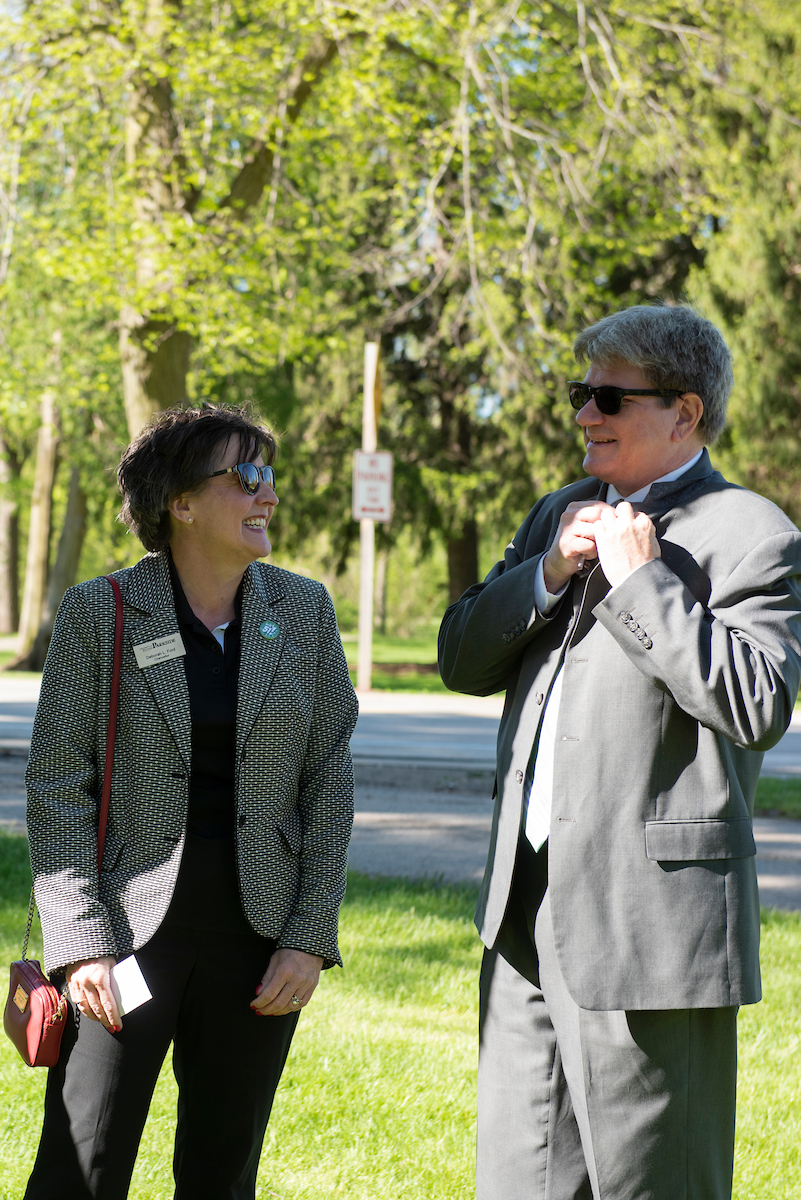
{"x":35,"y":1013}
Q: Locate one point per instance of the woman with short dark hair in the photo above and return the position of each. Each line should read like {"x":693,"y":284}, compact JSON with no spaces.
{"x":231,"y":808}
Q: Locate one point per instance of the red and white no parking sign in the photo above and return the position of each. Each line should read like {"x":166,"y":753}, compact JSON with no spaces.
{"x":372,"y":485}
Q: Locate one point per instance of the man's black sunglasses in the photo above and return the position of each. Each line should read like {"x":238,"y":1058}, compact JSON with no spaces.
{"x":609,"y":399}
{"x":250,"y":476}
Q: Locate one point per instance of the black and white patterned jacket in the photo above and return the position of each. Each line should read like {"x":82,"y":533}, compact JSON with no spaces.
{"x":294,"y":778}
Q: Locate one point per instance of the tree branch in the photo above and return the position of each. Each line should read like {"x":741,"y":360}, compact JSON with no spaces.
{"x":248,"y":187}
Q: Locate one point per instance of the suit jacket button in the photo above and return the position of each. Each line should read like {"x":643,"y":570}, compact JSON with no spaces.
{"x":539,"y":697}
{"x":519,"y":776}
{"x":241,"y":820}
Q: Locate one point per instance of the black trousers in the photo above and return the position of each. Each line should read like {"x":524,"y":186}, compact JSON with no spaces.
{"x":202,"y":966}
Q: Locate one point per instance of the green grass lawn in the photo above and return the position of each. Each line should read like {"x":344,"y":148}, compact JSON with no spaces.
{"x":421,"y":648}
{"x":413,"y":681}
{"x":378,"y":1098}
{"x":778,"y":797}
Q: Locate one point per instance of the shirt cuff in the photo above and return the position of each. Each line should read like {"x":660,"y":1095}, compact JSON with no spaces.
{"x":543,"y":599}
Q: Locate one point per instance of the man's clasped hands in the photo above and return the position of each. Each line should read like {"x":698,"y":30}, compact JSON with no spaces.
{"x":620,"y":538}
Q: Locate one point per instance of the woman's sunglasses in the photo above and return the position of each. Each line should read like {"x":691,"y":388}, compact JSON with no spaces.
{"x":250,"y":476}
{"x":609,"y":399}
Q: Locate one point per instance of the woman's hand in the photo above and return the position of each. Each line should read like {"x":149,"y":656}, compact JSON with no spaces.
{"x":89,"y":985}
{"x":292,"y":974}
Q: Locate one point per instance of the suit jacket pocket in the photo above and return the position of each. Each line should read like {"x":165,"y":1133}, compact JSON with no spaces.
{"x":290,"y":830}
{"x":683,"y":841}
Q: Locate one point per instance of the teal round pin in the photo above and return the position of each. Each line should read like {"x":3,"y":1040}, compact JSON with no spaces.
{"x":269,"y":630}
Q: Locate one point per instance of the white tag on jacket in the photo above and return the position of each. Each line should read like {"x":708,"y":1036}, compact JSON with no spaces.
{"x":159,"y":650}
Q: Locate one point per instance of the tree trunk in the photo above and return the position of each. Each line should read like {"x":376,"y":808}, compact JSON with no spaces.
{"x":39,"y":528}
{"x":152,"y":379}
{"x":9,"y":545}
{"x":154,"y":352}
{"x":64,"y":571}
{"x":462,"y":561}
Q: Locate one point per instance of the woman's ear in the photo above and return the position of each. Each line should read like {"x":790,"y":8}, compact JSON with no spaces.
{"x":180,"y":509}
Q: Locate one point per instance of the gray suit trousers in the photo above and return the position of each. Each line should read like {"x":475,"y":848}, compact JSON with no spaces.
{"x":574,"y":1104}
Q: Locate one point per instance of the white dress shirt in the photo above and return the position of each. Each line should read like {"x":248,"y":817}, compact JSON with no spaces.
{"x":538,"y":814}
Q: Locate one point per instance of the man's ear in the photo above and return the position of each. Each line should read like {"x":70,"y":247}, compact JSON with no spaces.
{"x":689,"y":409}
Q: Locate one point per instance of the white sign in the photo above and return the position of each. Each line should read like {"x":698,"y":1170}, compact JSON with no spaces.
{"x":159,"y":650}
{"x":372,"y":486}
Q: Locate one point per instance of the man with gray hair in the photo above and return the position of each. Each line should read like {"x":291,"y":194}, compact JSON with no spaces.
{"x":646,"y":626}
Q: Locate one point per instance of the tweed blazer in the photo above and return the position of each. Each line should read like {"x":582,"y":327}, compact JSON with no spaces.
{"x":674,"y":684}
{"x":296,"y":710}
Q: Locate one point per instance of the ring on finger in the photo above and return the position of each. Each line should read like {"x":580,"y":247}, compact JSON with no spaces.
{"x":295,"y":1001}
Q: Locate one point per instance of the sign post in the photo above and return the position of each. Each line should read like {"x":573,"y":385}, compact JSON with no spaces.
{"x":372,"y":501}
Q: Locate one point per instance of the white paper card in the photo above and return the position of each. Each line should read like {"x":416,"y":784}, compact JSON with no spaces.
{"x":128,"y":985}
{"x":159,"y":650}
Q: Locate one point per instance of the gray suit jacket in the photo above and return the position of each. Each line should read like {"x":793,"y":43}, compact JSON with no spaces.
{"x":294,"y":777}
{"x":674,"y":685}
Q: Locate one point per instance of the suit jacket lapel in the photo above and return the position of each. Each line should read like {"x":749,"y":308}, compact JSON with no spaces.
{"x":662,"y":497}
{"x":262,"y":644}
{"x":148,"y":589}
{"x":588,"y":592}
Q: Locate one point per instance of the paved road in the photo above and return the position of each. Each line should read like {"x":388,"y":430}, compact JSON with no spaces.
{"x":393,"y":727}
{"x":17,"y":707}
{"x":424,"y":769}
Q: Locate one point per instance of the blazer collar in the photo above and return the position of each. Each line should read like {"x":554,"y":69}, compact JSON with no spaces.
{"x":263,"y":642}
{"x":146,"y":585}
{"x":591,"y":586}
{"x":664,"y":496}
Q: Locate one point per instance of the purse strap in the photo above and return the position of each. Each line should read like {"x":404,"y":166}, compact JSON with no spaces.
{"x":110,"y":739}
{"x":112,"y":721}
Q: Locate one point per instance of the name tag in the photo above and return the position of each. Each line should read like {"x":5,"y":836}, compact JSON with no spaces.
{"x":159,"y":650}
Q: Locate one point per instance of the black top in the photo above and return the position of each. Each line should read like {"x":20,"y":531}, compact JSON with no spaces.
{"x":212,"y":676}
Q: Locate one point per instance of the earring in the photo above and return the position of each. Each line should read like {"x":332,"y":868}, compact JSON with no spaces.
{"x":189,"y":520}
